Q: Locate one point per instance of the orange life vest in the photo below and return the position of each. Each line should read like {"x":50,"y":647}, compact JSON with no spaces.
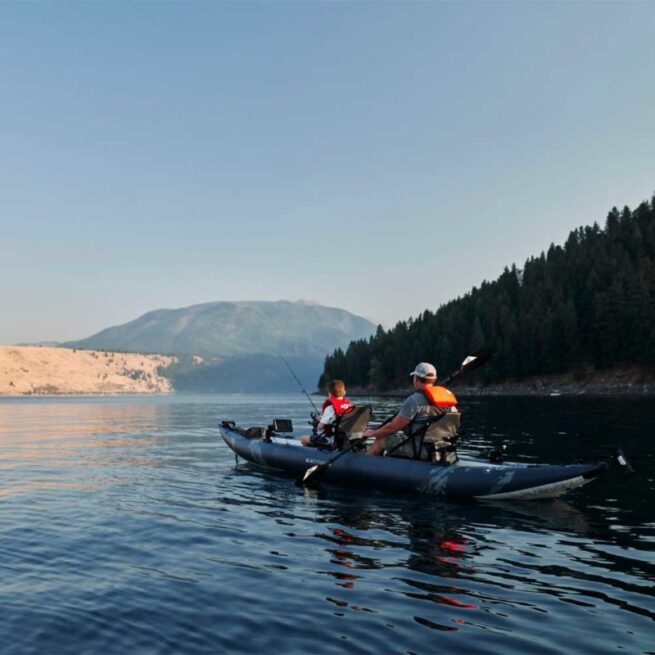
{"x":440,"y":396}
{"x":441,"y":399}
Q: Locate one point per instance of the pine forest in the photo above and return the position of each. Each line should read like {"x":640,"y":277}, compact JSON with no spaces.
{"x":587,"y":304}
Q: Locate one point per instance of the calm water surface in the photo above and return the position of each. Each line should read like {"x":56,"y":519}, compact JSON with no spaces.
{"x":125,"y":527}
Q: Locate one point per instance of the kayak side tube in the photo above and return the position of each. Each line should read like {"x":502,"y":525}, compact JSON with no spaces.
{"x":467,"y":478}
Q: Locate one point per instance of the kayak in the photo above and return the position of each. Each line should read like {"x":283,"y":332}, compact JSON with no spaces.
{"x":467,"y":478}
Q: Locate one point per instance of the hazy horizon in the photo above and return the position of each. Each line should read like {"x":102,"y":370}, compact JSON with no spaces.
{"x":382,"y":158}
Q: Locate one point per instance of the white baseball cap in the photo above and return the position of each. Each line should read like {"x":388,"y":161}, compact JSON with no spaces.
{"x":425,"y":370}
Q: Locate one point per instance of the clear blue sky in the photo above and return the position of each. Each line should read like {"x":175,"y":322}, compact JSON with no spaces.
{"x":380,"y":157}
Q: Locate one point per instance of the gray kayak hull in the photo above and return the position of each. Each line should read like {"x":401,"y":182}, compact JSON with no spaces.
{"x":469,"y":478}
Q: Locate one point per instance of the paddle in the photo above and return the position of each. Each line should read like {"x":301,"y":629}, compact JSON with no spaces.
{"x":469,"y":364}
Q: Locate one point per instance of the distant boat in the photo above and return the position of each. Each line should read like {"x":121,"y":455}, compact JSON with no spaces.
{"x":555,"y":392}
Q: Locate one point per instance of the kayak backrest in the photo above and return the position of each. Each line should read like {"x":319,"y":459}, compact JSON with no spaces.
{"x":440,"y":437}
{"x":350,"y":426}
{"x":445,"y":429}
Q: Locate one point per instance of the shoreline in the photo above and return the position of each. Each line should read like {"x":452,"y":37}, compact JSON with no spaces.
{"x":354,"y":392}
{"x":539,"y":388}
{"x":27,"y":371}
{"x":623,"y":380}
{"x":518,"y":390}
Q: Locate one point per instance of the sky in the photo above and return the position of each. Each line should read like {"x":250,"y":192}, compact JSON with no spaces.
{"x":381,"y":157}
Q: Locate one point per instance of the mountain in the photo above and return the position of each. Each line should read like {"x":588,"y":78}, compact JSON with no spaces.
{"x":586,"y":306}
{"x":300,"y":329}
{"x":239,"y":342}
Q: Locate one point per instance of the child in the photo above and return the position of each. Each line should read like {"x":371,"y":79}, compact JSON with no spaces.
{"x":333,"y":408}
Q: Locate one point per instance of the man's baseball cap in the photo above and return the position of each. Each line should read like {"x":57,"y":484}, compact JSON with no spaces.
{"x":425,"y":370}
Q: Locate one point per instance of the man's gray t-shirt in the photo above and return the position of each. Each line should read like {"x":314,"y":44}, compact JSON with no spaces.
{"x":415,"y":406}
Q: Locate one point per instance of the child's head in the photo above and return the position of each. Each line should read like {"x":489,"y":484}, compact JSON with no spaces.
{"x":337,"y":388}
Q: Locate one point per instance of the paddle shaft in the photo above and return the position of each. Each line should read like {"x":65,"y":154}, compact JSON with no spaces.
{"x":319,"y":468}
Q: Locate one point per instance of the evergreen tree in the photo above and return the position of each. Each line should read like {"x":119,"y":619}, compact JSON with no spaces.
{"x":590,"y":302}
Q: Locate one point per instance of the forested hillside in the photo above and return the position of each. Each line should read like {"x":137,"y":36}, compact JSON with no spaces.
{"x":590,"y":302}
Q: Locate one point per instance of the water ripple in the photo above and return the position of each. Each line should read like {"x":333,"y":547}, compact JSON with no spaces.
{"x":126,"y":527}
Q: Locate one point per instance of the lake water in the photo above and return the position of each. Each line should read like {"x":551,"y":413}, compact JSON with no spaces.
{"x":125,"y":527}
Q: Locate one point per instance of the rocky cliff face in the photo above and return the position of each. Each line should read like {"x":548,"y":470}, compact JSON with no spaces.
{"x":39,"y":370}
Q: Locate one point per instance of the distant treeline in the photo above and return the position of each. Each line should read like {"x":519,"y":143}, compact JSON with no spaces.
{"x":590,"y":302}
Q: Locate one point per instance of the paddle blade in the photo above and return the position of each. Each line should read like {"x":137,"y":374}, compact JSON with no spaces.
{"x":622,"y":460}
{"x":310,"y":474}
{"x":476,"y":360}
{"x":471,"y":362}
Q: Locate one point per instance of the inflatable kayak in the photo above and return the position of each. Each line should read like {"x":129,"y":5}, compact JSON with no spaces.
{"x":467,"y":478}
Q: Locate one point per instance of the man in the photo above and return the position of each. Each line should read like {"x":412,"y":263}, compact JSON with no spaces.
{"x":427,"y":400}
{"x":333,"y":408}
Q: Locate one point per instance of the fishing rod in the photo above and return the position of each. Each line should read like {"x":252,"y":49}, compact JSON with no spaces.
{"x":300,"y":383}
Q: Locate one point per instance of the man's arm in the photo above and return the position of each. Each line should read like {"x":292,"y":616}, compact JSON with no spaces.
{"x":396,"y":424}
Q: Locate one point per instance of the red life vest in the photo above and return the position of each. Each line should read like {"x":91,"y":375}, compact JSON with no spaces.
{"x":341,"y":405}
{"x":440,"y":396}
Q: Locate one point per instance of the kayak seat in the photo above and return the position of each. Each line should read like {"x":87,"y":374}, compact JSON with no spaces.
{"x":439,"y":438}
{"x":349,"y":427}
